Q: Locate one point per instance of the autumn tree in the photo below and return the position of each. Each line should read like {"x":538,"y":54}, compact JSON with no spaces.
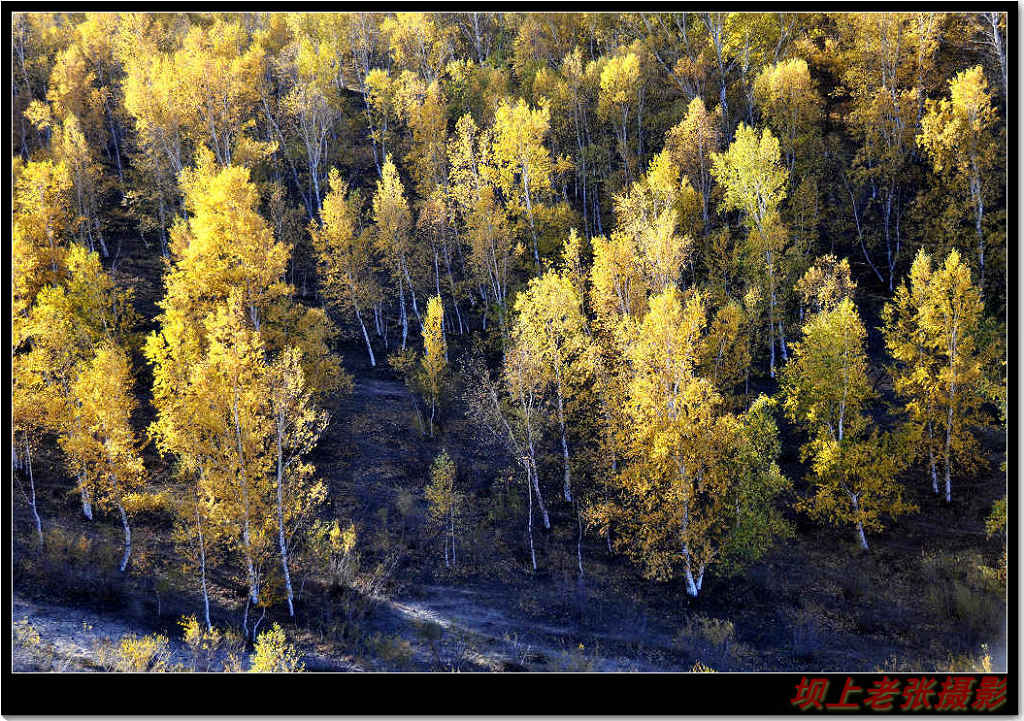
{"x":790,"y":101}
{"x":272,"y":653}
{"x":692,"y":142}
{"x":677,"y":491}
{"x":508,"y":407}
{"x":418,"y":43}
{"x":393,"y":226}
{"x":70,"y":148}
{"x":101,"y":443}
{"x":29,"y":423}
{"x":65,"y":326}
{"x":825,"y":284}
{"x":41,"y":230}
{"x":310,"y":103}
{"x":478,"y":211}
{"x":935,"y":333}
{"x":618,"y":100}
{"x":298,"y":425}
{"x":549,"y":331}
{"x":422,"y":107}
{"x":753,"y":181}
{"x":444,"y":502}
{"x":435,"y":355}
{"x":887,"y":62}
{"x":220,"y":72}
{"x":826,"y":389}
{"x":725,"y":355}
{"x":959,"y":136}
{"x":345,"y":258}
{"x":237,"y":368}
{"x":522,"y":162}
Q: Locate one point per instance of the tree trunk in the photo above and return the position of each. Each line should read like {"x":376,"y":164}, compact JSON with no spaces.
{"x":127,"y":537}
{"x":86,"y":501}
{"x":202,"y":567}
{"x":366,"y":336}
{"x":529,"y":520}
{"x":529,"y":214}
{"x":253,"y":590}
{"x":771,"y":315}
{"x":692,"y":588}
{"x":861,"y":538}
{"x":452,"y":519}
{"x":949,"y":446}
{"x":451,"y":286}
{"x":280,"y":516}
{"x":931,"y":461}
{"x":433,"y":404}
{"x":566,"y":490}
{"x":890,"y":257}
{"x":579,"y":543}
{"x":979,"y":215}
{"x":412,"y":293}
{"x":402,"y":313}
{"x":446,"y":565}
{"x":32,"y":491}
{"x":692,"y":584}
{"x":536,"y":486}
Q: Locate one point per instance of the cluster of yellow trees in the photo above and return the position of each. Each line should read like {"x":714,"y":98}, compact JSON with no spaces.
{"x":634,"y":215}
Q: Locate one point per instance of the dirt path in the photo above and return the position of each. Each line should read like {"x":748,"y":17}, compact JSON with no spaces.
{"x":491,"y":635}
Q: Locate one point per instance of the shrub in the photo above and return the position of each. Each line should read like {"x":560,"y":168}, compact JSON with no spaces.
{"x":708,"y":637}
{"x":202,"y":643}
{"x":273,"y":653}
{"x":136,"y":654}
{"x":390,"y":650}
{"x":963,"y":592}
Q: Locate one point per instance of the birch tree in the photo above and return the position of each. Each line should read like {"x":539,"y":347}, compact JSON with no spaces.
{"x":522,"y":162}
{"x":434,"y":364}
{"x":444,"y":502}
{"x":934,"y":331}
{"x":753,"y":180}
{"x":549,"y":330}
{"x":345,"y":258}
{"x":826,"y":389}
{"x":393,"y":226}
{"x":101,"y":443}
{"x":959,"y":136}
{"x":688,"y":470}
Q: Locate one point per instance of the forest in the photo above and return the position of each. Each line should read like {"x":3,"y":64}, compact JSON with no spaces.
{"x":509,"y":341}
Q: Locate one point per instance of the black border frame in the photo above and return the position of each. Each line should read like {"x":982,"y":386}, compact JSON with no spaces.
{"x":338,"y":694}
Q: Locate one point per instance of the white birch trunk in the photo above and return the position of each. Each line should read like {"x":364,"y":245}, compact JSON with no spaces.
{"x":253,"y":590}
{"x":451,"y":520}
{"x":861,"y":538}
{"x":86,"y":501}
{"x":280,"y":516}
{"x":32,"y":491}
{"x":366,"y":336}
{"x":127,"y":537}
{"x":567,"y":489}
{"x":403,"y":314}
{"x":202,"y":568}
{"x":529,"y":520}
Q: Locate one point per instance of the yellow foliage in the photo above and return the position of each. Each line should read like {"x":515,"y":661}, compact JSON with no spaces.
{"x":274,"y":654}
